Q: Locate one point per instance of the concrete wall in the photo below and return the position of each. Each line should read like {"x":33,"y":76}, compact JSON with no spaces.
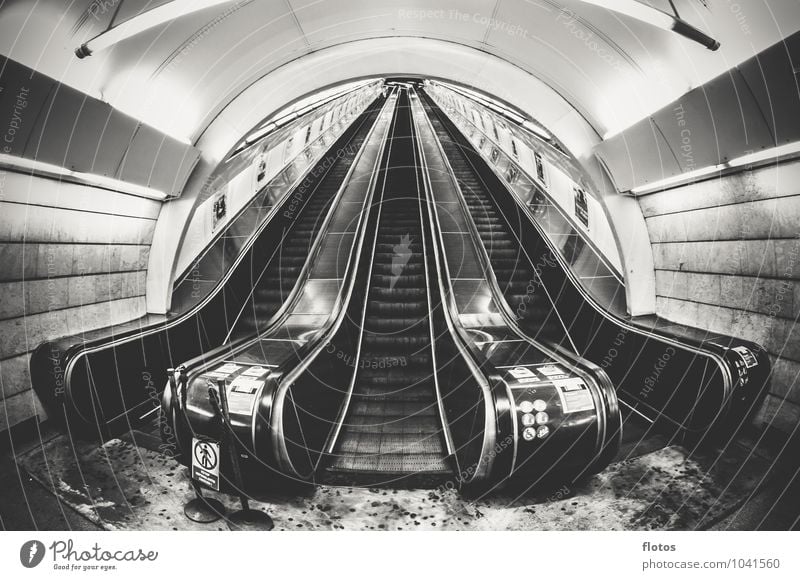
{"x":727,"y":259}
{"x":72,"y":259}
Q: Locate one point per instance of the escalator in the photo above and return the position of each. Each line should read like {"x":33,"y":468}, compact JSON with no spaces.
{"x":392,"y":425}
{"x":103,"y":382}
{"x":514,"y":274}
{"x":276,"y":282}
{"x":699,"y":388}
{"x":388,"y":377}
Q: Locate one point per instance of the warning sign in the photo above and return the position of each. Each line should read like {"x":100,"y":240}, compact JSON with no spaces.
{"x":205,"y":462}
{"x":575,"y":395}
{"x":747,"y":355}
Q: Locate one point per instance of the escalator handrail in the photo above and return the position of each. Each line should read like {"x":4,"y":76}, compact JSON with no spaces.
{"x":695,"y":349}
{"x":422,"y":170}
{"x":331,"y":443}
{"x":589,"y":371}
{"x":82,"y":349}
{"x":280,"y":381}
{"x":311,"y":164}
{"x":232,"y":348}
{"x":456,"y":330}
{"x":606,"y":262}
{"x":315,"y":247}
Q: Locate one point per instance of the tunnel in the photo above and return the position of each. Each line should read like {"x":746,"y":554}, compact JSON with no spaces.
{"x":536,"y":257}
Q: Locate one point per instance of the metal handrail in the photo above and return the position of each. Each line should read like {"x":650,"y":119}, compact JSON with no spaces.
{"x":313,"y":251}
{"x":717,"y":359}
{"x":535,"y":181}
{"x":423,"y":170}
{"x":84,"y":350}
{"x":572,"y":360}
{"x":331,"y":444}
{"x":276,"y":419}
{"x":290,"y":189}
{"x":490,"y":410}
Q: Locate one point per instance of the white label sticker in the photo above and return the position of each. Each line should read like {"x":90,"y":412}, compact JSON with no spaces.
{"x":242,"y":395}
{"x":205,"y":462}
{"x":227,"y":368}
{"x":527,"y":380}
{"x":521,"y":373}
{"x":574,"y":395}
{"x":551,"y":370}
{"x":254,"y":372}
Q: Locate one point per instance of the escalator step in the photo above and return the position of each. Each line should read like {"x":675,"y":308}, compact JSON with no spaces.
{"x":392,"y":443}
{"x":396,"y":325}
{"x":396,"y":308}
{"x":415,"y":392}
{"x":395,"y":463}
{"x":387,"y":269}
{"x":401,"y":280}
{"x":399,"y":294}
{"x":394,"y":378}
{"x":390,"y":410}
{"x":398,"y":343}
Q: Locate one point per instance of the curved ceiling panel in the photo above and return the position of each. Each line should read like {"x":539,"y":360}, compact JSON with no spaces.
{"x":612,"y":70}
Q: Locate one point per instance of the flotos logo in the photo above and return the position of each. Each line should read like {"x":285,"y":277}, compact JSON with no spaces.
{"x":31,"y":553}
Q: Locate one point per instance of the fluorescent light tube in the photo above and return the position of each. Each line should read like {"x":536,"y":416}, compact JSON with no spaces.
{"x":688,"y":176}
{"x":766,"y":155}
{"x":655,"y":17}
{"x":144,"y":21}
{"x":43,"y":169}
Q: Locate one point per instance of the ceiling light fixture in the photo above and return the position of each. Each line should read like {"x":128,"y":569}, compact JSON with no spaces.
{"x":772,"y":155}
{"x":50,"y":171}
{"x":658,"y":18}
{"x":144,"y":21}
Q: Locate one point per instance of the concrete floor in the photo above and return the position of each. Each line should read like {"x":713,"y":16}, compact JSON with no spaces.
{"x":605,"y":502}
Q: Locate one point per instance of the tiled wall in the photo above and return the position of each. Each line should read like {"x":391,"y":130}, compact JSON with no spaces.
{"x":72,"y":259}
{"x":727,"y":259}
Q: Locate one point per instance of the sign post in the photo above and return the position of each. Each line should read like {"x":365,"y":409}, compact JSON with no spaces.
{"x":200,"y":509}
{"x":246,"y":519}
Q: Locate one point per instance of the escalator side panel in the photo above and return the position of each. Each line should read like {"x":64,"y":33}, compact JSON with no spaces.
{"x":102,"y":384}
{"x":689,"y":387}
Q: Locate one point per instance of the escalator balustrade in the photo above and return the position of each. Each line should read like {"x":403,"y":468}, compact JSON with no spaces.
{"x":393,"y":424}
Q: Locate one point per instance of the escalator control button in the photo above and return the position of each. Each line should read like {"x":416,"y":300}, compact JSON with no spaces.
{"x":542,"y":418}
{"x":526,"y":406}
{"x":543,"y":431}
{"x":529,"y":434}
{"x":528,"y":420}
{"x":539,"y":405}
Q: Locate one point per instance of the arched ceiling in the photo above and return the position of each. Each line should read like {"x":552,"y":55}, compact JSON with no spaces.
{"x":580,"y":70}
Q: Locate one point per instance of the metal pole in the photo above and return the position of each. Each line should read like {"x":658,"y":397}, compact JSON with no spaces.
{"x":200,"y":509}
{"x":246,"y":519}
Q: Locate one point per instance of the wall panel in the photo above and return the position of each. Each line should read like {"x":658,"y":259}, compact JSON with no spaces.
{"x":727,"y":259}
{"x":72,"y":259}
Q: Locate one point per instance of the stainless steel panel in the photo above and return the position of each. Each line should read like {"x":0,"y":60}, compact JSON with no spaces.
{"x":158,"y":161}
{"x":772,"y":78}
{"x":462,"y":261}
{"x":638,"y":156}
{"x":714,"y":123}
{"x":22,"y":99}
{"x":332,"y":261}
